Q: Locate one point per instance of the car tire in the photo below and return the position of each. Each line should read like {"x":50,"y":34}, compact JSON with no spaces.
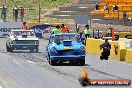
{"x":72,"y":62}
{"x":49,"y":59}
{"x":11,"y":50}
{"x":35,"y":50}
{"x":7,"y":48}
{"x":82,"y":62}
{"x":52,"y":62}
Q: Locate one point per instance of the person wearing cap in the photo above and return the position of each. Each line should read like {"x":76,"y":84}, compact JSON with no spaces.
{"x":24,"y":26}
{"x":64,"y":29}
{"x":56,"y":30}
{"x":106,"y":50}
{"x":87,"y":31}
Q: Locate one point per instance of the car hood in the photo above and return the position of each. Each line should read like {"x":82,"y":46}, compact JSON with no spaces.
{"x":20,"y":38}
{"x":75,"y":46}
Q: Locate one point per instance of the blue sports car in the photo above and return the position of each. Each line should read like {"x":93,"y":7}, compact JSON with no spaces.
{"x":65,"y":47}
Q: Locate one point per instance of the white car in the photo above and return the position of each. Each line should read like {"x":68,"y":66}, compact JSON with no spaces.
{"x":22,"y":40}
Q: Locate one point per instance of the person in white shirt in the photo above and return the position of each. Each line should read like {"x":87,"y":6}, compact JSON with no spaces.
{"x":106,"y":7}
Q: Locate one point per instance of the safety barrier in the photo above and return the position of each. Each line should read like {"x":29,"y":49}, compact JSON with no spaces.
{"x":128,"y":57}
{"x":123,"y":54}
{"x":92,"y":46}
{"x":124,"y":34}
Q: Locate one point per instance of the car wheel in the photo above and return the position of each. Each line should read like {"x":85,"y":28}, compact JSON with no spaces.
{"x":82,"y":62}
{"x":7,"y":48}
{"x":11,"y":50}
{"x":35,"y":50}
{"x":72,"y":62}
{"x":52,"y":62}
{"x":48,"y":58}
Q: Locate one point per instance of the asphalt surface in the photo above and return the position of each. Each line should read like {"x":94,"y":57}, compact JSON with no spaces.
{"x":31,"y":70}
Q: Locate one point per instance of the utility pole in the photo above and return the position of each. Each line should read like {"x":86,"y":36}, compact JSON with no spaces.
{"x":39,"y":11}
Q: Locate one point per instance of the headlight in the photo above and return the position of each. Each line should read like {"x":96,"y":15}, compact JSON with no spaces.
{"x":53,"y":50}
{"x":36,"y":42}
{"x":82,"y":48}
{"x":13,"y":42}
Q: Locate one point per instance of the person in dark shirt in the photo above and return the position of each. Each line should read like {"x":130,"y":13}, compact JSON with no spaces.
{"x":115,"y":8}
{"x":125,"y":17}
{"x":3,"y":13}
{"x":106,"y":50}
{"x":97,"y":6}
{"x":15,"y":11}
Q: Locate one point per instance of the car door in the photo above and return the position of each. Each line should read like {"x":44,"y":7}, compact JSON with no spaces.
{"x":48,"y":46}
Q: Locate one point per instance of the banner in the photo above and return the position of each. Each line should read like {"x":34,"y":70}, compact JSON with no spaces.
{"x":41,"y":30}
{"x":6,"y":27}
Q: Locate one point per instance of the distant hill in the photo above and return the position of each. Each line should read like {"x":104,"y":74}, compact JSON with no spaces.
{"x":33,"y":5}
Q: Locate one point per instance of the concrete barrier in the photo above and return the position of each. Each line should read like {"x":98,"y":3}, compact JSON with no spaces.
{"x":92,"y":46}
{"x":123,"y":54}
{"x":128,"y":57}
{"x":124,"y":34}
{"x":120,"y":45}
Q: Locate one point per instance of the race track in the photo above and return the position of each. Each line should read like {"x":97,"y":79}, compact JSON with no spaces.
{"x":31,"y":70}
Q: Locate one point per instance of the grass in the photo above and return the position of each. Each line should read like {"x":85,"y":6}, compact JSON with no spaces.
{"x":33,"y":5}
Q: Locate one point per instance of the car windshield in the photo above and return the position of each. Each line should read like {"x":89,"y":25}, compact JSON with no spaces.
{"x":61,"y":38}
{"x":19,"y":33}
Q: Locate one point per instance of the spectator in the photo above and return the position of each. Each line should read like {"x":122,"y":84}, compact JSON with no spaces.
{"x":130,"y":19}
{"x":97,"y":6}
{"x":115,"y":8}
{"x":21,"y":13}
{"x":24,"y":26}
{"x":106,"y":7}
{"x":124,"y":16}
{"x":87,"y":31}
{"x":106,"y":50}
{"x":56,"y":30}
{"x":3,"y":13}
{"x":77,"y":30}
{"x":64,"y":29}
{"x":15,"y":11}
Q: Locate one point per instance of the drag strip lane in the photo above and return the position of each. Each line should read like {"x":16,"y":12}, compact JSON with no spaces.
{"x":31,"y":70}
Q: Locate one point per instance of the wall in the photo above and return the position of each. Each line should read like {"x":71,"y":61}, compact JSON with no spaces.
{"x":92,"y":46}
{"x":6,"y":27}
{"x":128,"y":57}
{"x":123,"y":34}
